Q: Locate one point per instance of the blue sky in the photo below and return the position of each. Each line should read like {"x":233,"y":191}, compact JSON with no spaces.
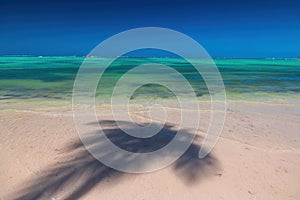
{"x":223,"y":28}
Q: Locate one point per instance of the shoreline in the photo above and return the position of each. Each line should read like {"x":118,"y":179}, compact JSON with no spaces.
{"x":257,"y":154}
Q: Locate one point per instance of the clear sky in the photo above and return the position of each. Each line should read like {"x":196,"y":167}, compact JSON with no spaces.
{"x":224,"y":28}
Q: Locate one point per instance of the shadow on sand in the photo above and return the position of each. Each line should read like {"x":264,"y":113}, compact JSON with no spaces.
{"x":78,"y":172}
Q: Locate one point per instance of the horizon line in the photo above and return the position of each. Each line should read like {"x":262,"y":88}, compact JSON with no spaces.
{"x":88,"y":56}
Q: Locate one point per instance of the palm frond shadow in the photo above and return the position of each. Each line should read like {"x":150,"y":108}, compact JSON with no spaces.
{"x":78,"y":172}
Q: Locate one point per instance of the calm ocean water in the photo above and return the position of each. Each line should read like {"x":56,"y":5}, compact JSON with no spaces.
{"x":53,"y":77}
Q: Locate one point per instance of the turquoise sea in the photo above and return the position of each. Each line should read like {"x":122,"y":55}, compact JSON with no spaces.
{"x":51,"y":78}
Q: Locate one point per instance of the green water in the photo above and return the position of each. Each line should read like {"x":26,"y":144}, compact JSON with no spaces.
{"x":53,"y":77}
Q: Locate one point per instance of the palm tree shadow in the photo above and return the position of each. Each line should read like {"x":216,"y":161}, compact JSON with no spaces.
{"x":78,"y":172}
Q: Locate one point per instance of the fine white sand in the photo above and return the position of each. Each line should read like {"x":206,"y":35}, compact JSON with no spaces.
{"x":257,"y":157}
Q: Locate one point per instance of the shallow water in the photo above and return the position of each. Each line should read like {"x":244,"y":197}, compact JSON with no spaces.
{"x":52,"y":78}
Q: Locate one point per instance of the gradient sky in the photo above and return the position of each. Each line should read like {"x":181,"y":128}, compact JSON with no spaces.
{"x":224,"y":28}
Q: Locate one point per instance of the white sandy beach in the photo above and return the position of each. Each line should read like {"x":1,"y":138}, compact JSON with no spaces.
{"x":257,"y":157}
